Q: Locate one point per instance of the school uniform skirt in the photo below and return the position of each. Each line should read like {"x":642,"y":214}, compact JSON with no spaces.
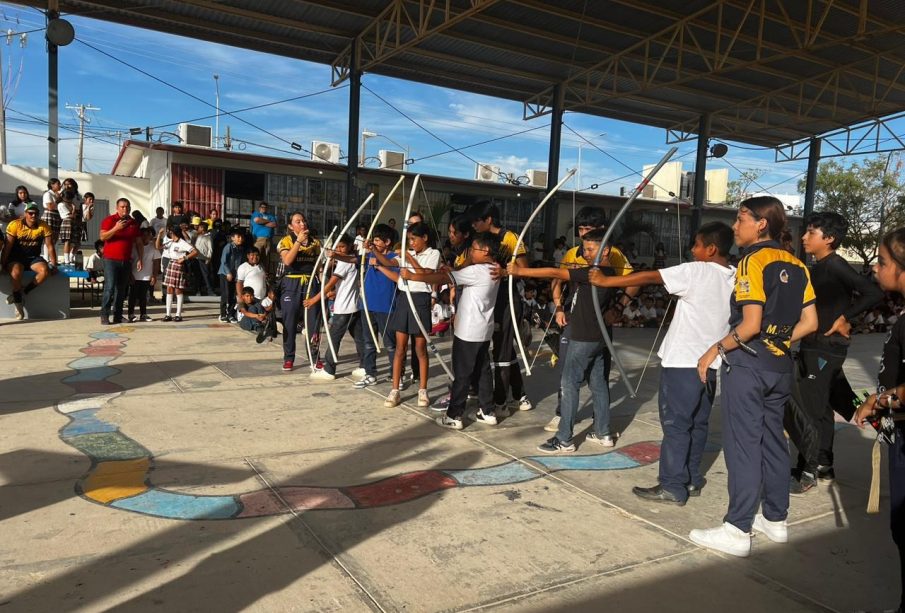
{"x":71,"y":229}
{"x":52,"y":219}
{"x":175,"y":275}
{"x":402,"y":319}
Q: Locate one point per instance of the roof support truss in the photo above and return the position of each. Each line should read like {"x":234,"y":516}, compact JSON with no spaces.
{"x":710,"y":43}
{"x":401,"y":25}
{"x":876,"y":136}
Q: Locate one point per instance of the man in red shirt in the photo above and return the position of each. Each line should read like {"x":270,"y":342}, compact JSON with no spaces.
{"x":122,"y":238}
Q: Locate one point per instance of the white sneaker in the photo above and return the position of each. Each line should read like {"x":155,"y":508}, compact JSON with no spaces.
{"x":449,"y":422}
{"x":322,"y":375}
{"x":367,"y":381}
{"x":359,"y":373}
{"x":484,"y":418}
{"x":776,"y":531}
{"x":726,"y":538}
{"x":423,"y":400}
{"x":524,"y":404}
{"x":553,"y":424}
{"x":20,"y":311}
{"x":393,"y":399}
{"x":606,"y":440}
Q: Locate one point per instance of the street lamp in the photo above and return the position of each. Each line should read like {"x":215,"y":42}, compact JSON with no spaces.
{"x":217,"y":119}
{"x":366,"y":134}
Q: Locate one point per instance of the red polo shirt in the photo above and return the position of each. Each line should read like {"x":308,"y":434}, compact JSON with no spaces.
{"x":121,"y":245}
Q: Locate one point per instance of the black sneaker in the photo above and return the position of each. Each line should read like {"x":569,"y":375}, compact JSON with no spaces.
{"x":262,"y":335}
{"x":695,"y":490}
{"x":826,"y":473}
{"x":805,"y":483}
{"x":657,"y":494}
{"x":554,"y":445}
{"x":168,"y":318}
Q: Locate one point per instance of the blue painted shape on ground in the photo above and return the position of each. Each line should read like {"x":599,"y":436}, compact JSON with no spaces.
{"x":605,"y":461}
{"x":90,"y":362}
{"x":512,"y":472}
{"x":104,"y":335}
{"x":86,"y":422}
{"x":98,"y":373}
{"x":176,"y":505}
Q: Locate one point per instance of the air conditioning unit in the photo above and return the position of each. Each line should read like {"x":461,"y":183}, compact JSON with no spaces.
{"x":537,"y":178}
{"x":325,"y":152}
{"x":195,"y":136}
{"x":486,"y":172}
{"x":391,"y":160}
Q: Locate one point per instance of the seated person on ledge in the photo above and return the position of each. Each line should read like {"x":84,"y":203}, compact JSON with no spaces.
{"x":24,"y":238}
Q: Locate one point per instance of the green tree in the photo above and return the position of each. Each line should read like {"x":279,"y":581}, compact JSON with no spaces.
{"x":739,"y":189}
{"x":870,"y":194}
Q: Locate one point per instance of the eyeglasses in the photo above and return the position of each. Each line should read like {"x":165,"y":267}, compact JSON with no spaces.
{"x":484,"y":249}
{"x":31,"y":212}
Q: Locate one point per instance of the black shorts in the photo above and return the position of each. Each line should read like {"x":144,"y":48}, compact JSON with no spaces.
{"x":403,"y":320}
{"x":27,"y":261}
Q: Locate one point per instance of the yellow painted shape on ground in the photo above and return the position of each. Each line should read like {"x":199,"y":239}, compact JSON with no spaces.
{"x":117,"y":479}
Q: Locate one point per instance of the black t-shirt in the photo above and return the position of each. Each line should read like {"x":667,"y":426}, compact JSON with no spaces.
{"x":892,"y":364}
{"x":835,"y":283}
{"x":174,"y":221}
{"x":583,"y":325}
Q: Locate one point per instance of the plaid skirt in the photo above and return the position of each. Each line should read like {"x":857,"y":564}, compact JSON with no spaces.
{"x":71,"y":230}
{"x":52,"y":219}
{"x":175,"y":277}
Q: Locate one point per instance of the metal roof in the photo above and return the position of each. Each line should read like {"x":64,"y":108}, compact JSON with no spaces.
{"x":768,"y":71}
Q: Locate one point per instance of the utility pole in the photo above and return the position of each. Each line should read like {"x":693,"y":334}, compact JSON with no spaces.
{"x":83,"y":119}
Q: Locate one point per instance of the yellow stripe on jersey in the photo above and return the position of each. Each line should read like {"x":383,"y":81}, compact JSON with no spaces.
{"x":617,"y":261}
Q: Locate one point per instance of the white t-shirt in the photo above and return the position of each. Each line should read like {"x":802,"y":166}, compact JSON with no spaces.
{"x":440,"y":312}
{"x":50,"y":198}
{"x":704,"y":290}
{"x":148,"y":255}
{"x":253,"y":277}
{"x":95,"y":262}
{"x":175,"y":249}
{"x":157,"y":224}
{"x":648,"y":312}
{"x":429,"y":259}
{"x":477,"y":296}
{"x":346,"y":301}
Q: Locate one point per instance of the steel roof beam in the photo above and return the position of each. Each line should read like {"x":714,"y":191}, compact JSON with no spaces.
{"x":666,"y":51}
{"x":400,"y":27}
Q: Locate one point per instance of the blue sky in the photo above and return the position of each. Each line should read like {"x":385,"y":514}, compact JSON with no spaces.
{"x":128,"y":99}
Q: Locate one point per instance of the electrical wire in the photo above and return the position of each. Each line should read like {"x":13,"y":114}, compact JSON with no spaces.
{"x":501,"y":175}
{"x":483,"y":142}
{"x":293,"y":145}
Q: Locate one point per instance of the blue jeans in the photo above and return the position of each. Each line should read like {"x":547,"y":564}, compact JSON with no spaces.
{"x":369,"y":350}
{"x":584,"y":360}
{"x":337,"y":328}
{"x":685,"y":405}
{"x":116,"y":281}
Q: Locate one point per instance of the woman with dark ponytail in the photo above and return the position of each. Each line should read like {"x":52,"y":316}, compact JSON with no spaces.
{"x":772,"y":307}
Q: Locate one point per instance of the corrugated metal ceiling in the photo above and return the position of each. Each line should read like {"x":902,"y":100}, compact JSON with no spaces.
{"x":769,"y":71}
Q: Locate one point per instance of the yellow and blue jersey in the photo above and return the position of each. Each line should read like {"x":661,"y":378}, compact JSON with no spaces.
{"x":773,"y":278}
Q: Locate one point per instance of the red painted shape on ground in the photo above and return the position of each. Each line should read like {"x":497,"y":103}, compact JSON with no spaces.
{"x":108,"y":342}
{"x":400,"y":489}
{"x":643,"y":453}
{"x":94,"y":387}
{"x":101,"y":351}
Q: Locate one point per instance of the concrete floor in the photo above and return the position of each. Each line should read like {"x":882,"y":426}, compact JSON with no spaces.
{"x":174,"y":467}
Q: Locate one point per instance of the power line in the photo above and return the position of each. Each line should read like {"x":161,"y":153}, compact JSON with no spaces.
{"x":292,"y":144}
{"x":463,"y":154}
{"x":484,"y":142}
